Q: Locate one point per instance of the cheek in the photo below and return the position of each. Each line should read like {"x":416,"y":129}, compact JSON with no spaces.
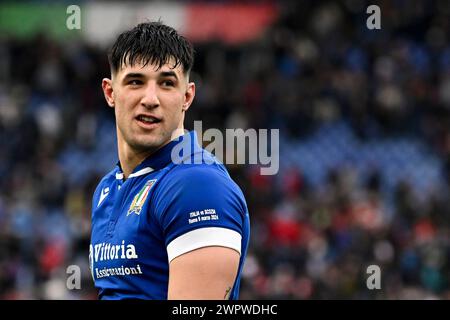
{"x":171,"y":105}
{"x":176,"y":103}
{"x":177,"y":110}
{"x":125,"y":103}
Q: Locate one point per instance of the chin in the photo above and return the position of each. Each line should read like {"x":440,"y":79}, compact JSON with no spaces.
{"x":149,"y":144}
{"x":153,"y":145}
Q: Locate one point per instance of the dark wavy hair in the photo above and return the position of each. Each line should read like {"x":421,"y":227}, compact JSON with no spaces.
{"x":154,"y":43}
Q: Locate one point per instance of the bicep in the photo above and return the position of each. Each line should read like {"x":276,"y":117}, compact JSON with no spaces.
{"x":204,"y":273}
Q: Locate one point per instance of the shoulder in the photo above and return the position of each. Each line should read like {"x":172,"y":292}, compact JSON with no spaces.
{"x":109,"y":177}
{"x":199,"y":180}
{"x":105,"y":181}
{"x":200,"y":205}
{"x":195,"y":187}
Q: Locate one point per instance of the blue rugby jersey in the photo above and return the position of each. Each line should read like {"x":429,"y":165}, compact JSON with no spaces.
{"x":163,"y":209}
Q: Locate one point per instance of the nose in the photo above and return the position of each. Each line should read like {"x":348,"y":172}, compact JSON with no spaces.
{"x":150,"y":99}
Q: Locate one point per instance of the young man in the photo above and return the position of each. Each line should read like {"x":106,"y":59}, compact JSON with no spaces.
{"x":163,"y":228}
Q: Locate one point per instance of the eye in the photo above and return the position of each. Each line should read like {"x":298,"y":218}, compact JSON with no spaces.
{"x":168,"y":83}
{"x":135,"y":82}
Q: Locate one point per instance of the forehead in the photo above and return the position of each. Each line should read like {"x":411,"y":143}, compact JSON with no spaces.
{"x":150,"y":69}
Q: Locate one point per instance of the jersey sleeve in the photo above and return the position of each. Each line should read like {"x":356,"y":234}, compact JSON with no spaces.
{"x":198,"y":207}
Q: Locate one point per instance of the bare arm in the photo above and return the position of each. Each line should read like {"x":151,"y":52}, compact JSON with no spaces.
{"x":204,"y":273}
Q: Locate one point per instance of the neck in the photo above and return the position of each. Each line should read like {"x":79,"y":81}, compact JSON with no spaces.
{"x":130,"y":158}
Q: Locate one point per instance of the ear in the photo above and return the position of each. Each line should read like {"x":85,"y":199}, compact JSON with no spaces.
{"x":189,"y":96}
{"x":108,"y":91}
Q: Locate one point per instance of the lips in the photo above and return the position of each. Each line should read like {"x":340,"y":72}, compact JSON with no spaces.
{"x":148,"y":121}
{"x":148,"y":118}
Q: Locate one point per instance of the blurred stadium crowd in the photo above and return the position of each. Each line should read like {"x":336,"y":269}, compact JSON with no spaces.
{"x":364,"y":152}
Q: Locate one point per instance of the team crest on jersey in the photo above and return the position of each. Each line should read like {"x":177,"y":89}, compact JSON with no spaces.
{"x":139,"y":199}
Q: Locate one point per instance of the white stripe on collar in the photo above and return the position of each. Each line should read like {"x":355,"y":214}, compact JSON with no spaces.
{"x":119,"y":175}
{"x":141,"y":172}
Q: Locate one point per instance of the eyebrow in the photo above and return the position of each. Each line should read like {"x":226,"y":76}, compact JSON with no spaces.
{"x":141,"y":75}
{"x":169,"y":74}
{"x":133,"y":75}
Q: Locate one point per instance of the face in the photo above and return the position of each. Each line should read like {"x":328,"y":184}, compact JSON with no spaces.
{"x":149,"y":104}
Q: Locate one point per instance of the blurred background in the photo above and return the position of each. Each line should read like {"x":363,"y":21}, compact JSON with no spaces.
{"x":364,"y":126}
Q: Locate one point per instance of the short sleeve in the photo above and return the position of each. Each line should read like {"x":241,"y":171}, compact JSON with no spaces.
{"x":200,"y":206}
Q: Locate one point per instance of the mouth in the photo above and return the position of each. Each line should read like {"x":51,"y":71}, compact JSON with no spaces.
{"x":148,"y":121}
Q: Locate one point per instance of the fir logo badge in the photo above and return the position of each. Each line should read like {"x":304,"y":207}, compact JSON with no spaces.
{"x":139,"y":199}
